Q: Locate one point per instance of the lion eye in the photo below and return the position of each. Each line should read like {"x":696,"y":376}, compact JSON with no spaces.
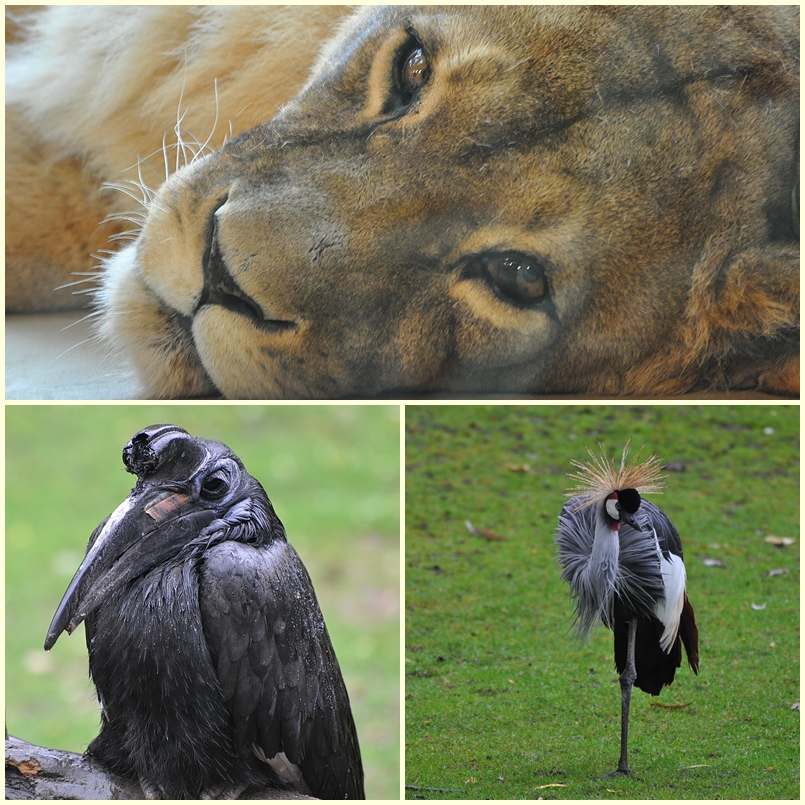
{"x":414,"y":70}
{"x":517,"y":277}
{"x":410,"y":72}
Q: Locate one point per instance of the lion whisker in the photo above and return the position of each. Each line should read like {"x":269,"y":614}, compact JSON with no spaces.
{"x":88,"y":340}
{"x":129,"y":186}
{"x":125,"y":237}
{"x":206,"y":143}
{"x":93,"y":278}
{"x":133,"y":217}
{"x":165,"y":156}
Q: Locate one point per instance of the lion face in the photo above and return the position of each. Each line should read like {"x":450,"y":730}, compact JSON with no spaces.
{"x":484,"y":199}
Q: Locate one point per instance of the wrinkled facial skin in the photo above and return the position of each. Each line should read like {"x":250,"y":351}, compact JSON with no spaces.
{"x":544,"y":199}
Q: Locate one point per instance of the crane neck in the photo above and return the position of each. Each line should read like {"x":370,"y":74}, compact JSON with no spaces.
{"x":606,"y":545}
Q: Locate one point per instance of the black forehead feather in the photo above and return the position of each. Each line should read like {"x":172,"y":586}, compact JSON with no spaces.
{"x":629,"y":500}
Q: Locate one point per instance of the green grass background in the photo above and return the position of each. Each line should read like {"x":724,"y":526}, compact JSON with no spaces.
{"x":332,"y":473}
{"x":501,"y":701}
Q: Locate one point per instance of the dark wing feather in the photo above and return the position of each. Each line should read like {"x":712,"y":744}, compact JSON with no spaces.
{"x":668,"y":538}
{"x":276,"y":665}
{"x":667,"y":535}
{"x":690,"y":635}
{"x":655,"y":669}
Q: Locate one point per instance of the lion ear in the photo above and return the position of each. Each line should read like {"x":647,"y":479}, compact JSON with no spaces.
{"x":742,"y":317}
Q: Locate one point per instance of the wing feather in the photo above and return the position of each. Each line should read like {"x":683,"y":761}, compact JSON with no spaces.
{"x":277,"y":668}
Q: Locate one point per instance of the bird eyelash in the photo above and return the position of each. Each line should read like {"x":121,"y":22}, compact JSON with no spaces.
{"x":600,"y":477}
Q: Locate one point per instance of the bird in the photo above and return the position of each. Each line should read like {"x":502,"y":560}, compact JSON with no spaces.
{"x":207,"y":647}
{"x":622,"y":558}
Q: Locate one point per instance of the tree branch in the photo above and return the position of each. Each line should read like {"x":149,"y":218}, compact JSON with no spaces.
{"x":35,"y":772}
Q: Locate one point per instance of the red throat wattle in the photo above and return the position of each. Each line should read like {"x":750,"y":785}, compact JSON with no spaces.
{"x":613,"y":517}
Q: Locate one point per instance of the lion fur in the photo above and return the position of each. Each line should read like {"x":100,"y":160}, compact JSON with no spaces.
{"x":647,"y":156}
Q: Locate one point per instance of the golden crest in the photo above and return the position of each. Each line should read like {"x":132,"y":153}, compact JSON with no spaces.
{"x":599,"y":477}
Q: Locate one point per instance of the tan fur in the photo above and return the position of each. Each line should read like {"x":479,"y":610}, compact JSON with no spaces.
{"x":643,"y":159}
{"x":92,"y":92}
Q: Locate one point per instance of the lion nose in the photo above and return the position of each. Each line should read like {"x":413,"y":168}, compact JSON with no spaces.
{"x":220,"y":288}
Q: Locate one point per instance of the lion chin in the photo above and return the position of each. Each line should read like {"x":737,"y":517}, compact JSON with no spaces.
{"x":488,"y":200}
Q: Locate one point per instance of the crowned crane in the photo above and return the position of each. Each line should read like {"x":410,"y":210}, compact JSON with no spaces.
{"x":207,"y":647}
{"x":622,"y":557}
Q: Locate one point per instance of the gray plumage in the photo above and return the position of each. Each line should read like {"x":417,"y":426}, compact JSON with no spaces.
{"x":622,"y":558}
{"x":623,"y":567}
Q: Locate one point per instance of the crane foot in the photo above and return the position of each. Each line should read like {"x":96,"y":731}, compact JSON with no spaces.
{"x":621,"y":772}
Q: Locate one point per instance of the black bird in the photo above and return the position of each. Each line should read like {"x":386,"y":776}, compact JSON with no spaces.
{"x":207,"y":647}
{"x":622,"y":557}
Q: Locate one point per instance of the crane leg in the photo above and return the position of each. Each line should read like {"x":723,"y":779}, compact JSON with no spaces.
{"x":627,"y":679}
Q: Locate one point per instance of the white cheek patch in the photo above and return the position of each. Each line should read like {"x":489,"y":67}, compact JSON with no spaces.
{"x":612,"y":509}
{"x":669,"y":609}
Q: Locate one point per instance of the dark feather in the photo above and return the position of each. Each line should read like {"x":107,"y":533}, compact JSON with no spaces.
{"x":656,"y":669}
{"x":690,"y":635}
{"x":667,"y":535}
{"x":206,"y":643}
{"x":284,"y":687}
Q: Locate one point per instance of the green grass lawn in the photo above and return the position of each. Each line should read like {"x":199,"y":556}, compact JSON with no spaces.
{"x":501,"y":701}
{"x":332,"y":473}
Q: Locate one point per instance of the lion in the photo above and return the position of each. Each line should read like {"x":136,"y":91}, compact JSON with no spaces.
{"x":506,"y":200}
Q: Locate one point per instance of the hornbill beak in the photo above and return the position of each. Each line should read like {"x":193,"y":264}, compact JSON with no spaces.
{"x":154,"y":523}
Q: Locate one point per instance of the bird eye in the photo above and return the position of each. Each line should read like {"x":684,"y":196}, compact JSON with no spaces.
{"x":410,"y":72}
{"x":214,"y":487}
{"x":516,"y":277}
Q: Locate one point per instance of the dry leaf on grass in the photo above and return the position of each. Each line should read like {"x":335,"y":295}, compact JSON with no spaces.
{"x":779,"y":542}
{"x":483,"y":532}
